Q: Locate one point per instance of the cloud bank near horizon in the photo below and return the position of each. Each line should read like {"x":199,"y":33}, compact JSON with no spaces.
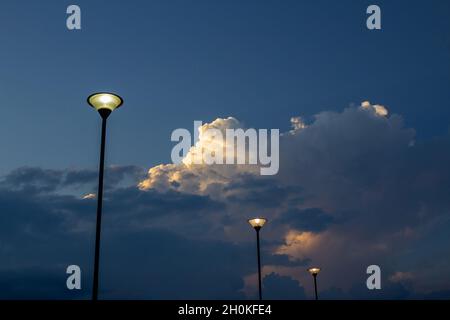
{"x":354,"y":189}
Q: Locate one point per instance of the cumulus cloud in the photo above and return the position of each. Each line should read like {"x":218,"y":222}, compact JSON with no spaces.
{"x":352,"y":191}
{"x":196,"y":178}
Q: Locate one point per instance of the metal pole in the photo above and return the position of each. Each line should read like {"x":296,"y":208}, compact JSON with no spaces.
{"x":315,"y":285}
{"x":259,"y":264}
{"x":99,"y":208}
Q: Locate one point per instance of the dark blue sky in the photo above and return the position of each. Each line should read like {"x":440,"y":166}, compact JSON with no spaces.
{"x":174,"y":62}
{"x":354,"y":188}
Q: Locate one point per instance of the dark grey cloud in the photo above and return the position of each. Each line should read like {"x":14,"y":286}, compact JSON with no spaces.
{"x":253,"y":190}
{"x":39,"y":180}
{"x":114,"y":176}
{"x":158,"y":264}
{"x":33,"y":179}
{"x":358,"y":186}
{"x":282,"y":288}
{"x":283,"y":260}
{"x":142,"y":258}
{"x":310,"y":219}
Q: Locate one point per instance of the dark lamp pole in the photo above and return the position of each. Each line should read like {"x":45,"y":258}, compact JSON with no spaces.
{"x":314,"y":272}
{"x":257,"y":224}
{"x":104,"y":103}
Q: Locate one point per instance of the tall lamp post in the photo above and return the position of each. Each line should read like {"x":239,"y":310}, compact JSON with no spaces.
{"x":314,"y":272}
{"x":257,"y":224}
{"x":104,"y":103}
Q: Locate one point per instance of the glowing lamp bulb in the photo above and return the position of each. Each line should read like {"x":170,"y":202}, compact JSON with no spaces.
{"x":314,"y":271}
{"x":257,"y":223}
{"x":105,"y":100}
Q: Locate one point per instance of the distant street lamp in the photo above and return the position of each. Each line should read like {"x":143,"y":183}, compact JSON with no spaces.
{"x":314,"y":272}
{"x":104,"y":103}
{"x":257,"y":224}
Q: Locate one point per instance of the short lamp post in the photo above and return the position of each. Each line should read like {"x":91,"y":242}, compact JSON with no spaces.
{"x":314,"y":272}
{"x":104,"y":103}
{"x":257,"y":224}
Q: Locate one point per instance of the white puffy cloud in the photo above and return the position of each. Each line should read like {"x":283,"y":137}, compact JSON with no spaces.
{"x":356,"y":188}
{"x":89,"y":196}
{"x":376,"y":108}
{"x":195,"y":178}
{"x":297,"y":124}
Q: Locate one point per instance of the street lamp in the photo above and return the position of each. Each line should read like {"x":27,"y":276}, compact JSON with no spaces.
{"x":104,"y":103}
{"x":257,"y":224}
{"x":314,"y":272}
